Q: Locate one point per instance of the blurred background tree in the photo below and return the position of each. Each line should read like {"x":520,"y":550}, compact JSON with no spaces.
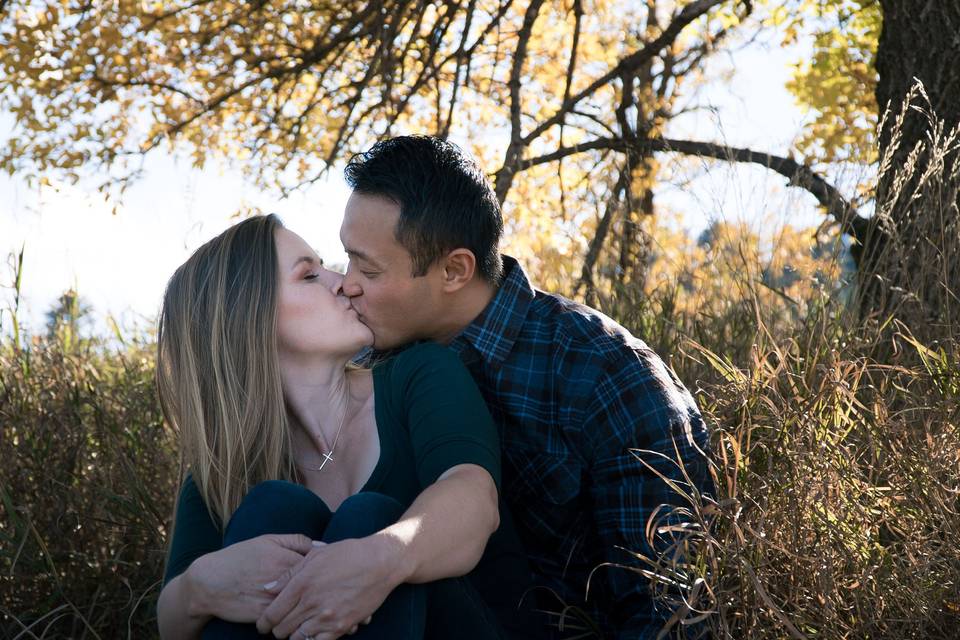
{"x":69,"y":316}
{"x":565,"y":102}
{"x":870,"y":58}
{"x":838,"y":82}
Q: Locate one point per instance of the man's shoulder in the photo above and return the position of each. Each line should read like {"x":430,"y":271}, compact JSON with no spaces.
{"x":594,"y":355}
{"x":577,"y":327}
{"x":532,"y":330}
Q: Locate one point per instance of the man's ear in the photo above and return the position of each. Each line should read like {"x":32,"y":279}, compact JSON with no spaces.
{"x":457,"y":269}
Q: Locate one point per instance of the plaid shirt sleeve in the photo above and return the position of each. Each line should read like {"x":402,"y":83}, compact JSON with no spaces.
{"x":638,"y":403}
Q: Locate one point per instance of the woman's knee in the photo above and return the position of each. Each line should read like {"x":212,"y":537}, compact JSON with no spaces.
{"x":277,"y":497}
{"x":276,"y":506}
{"x":363,"y":514}
{"x":372,"y":501}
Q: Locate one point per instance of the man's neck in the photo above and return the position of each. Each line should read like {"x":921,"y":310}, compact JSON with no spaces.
{"x":468,"y":303}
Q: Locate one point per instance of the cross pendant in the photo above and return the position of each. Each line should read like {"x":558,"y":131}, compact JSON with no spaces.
{"x":326,"y":457}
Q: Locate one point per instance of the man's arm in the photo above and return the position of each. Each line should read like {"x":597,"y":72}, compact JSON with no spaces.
{"x":445,"y":530}
{"x":639,"y":405}
{"x":442,"y":534}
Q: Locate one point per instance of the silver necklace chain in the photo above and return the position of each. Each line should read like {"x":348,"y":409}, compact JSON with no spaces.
{"x":328,"y":456}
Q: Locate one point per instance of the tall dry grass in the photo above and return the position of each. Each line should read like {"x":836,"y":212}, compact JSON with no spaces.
{"x":836,"y":446}
{"x":87,"y":477}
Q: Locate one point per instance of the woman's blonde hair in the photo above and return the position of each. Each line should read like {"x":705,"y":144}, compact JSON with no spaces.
{"x":218,"y":372}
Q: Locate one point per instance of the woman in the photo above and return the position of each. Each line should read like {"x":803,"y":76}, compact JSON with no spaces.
{"x":295,"y":460}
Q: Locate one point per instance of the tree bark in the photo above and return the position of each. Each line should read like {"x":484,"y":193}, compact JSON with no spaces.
{"x":920,"y":40}
{"x":907,"y":260}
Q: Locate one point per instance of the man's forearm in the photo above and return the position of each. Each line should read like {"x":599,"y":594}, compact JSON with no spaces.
{"x":445,"y":530}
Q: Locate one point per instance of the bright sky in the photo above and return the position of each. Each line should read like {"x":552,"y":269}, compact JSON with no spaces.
{"x":120,"y":263}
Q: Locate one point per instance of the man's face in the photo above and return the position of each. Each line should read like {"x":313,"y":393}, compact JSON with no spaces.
{"x":398,"y":307}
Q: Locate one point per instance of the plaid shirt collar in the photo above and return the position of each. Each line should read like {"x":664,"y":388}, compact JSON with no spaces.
{"x":493,"y":333}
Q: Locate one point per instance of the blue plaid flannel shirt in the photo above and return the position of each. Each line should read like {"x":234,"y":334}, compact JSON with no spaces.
{"x":572,"y":393}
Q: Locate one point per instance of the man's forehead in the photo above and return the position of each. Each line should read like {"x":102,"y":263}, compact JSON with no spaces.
{"x":363,"y":239}
{"x":368,"y":227}
{"x":373,"y":205}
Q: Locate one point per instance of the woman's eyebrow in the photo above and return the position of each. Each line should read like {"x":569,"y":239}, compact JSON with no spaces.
{"x":308,"y":259}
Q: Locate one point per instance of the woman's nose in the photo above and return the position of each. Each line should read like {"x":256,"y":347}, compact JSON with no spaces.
{"x":333,"y":280}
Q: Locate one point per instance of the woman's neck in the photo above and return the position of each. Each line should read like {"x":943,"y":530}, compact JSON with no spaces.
{"x":318,"y":396}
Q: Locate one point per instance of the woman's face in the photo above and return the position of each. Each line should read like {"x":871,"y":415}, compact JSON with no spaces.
{"x":313,"y":315}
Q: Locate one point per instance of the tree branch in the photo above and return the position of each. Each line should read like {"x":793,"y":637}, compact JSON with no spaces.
{"x":567,"y":87}
{"x":799,"y":175}
{"x":444,"y":130}
{"x":523,"y":39}
{"x":503,"y":179}
{"x":603,"y":228}
{"x":630,"y":63}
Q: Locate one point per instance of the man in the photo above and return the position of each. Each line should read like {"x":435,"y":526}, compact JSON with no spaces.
{"x":572,"y":391}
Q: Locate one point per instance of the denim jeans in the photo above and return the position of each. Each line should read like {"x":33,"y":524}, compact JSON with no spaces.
{"x":282,"y":507}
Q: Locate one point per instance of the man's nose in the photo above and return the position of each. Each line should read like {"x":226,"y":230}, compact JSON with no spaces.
{"x":349,"y":285}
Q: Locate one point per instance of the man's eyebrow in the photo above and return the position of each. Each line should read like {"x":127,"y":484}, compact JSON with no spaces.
{"x":355,"y":253}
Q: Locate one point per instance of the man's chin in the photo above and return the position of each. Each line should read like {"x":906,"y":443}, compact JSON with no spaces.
{"x":384,"y":343}
{"x":380,"y":345}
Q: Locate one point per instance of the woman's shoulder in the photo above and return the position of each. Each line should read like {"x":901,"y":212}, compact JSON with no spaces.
{"x":427,"y":350}
{"x":416,"y":356}
{"x":420,"y":361}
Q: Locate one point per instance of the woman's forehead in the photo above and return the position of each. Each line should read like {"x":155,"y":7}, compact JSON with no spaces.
{"x":291,"y":247}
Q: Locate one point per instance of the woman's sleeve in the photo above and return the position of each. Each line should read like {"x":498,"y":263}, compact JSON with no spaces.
{"x":446,"y":416}
{"x":194,"y":531}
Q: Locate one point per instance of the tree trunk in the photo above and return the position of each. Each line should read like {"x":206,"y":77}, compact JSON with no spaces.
{"x":920,"y":39}
{"x":635,"y":241}
{"x":907,"y":261}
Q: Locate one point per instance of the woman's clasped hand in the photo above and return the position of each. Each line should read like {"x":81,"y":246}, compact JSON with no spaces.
{"x":230,"y":583}
{"x":352,"y":595}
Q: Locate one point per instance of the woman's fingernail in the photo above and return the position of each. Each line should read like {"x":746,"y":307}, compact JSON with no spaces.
{"x":270,"y":585}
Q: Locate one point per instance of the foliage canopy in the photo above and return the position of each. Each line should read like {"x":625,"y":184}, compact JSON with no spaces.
{"x":839,"y":80}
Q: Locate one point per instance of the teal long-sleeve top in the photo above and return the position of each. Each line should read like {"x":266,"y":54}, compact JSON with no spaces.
{"x":430,"y":417}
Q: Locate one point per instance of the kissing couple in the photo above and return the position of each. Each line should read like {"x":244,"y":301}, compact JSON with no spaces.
{"x":426,"y":446}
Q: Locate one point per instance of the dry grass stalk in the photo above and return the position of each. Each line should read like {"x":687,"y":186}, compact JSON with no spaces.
{"x":837,"y":448}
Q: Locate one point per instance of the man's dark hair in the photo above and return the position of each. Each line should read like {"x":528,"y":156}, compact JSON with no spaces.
{"x":446,"y":201}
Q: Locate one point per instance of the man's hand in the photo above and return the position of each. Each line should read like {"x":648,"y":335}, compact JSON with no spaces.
{"x":229,"y":583}
{"x":333,"y":589}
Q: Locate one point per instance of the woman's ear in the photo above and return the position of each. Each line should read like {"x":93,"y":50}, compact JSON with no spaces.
{"x":458,"y":268}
